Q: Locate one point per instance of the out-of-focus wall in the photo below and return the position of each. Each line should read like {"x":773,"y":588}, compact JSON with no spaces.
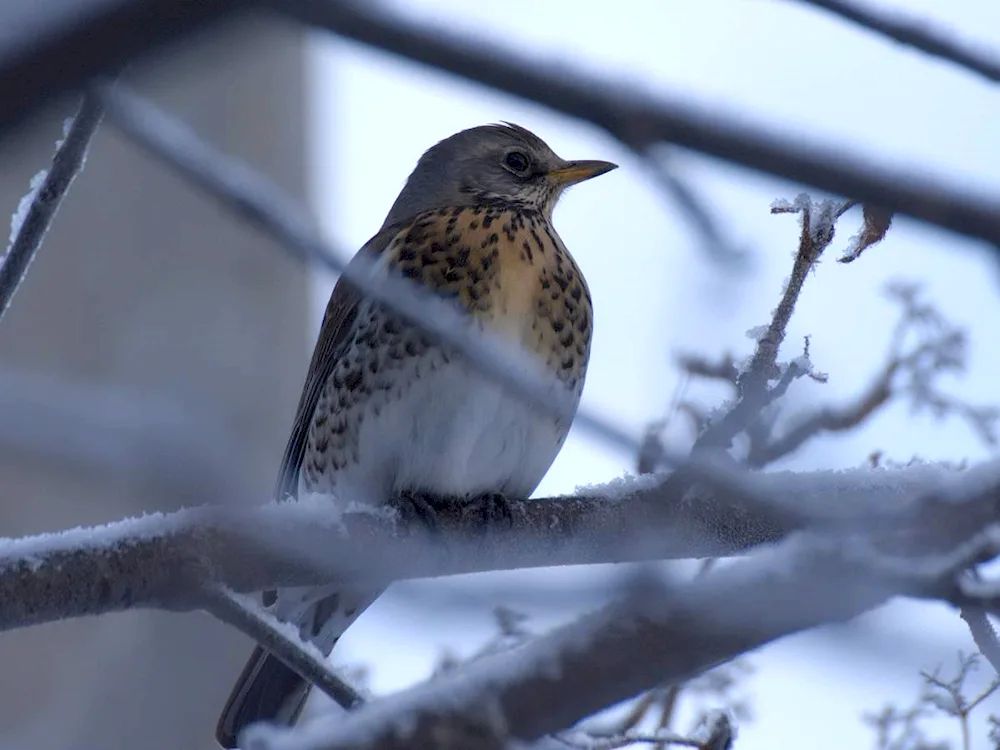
{"x":145,"y":285}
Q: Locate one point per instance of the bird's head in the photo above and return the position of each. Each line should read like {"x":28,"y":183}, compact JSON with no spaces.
{"x":488,"y":164}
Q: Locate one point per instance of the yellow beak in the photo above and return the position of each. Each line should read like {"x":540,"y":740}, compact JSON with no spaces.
{"x":573,"y":172}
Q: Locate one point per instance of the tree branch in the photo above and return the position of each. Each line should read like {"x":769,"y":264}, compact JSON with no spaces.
{"x":917,"y":34}
{"x":659,"y":633}
{"x":817,"y":230}
{"x":282,"y":640}
{"x":29,"y":228}
{"x":718,"y":247}
{"x":984,"y":635}
{"x":50,"y":47}
{"x":171,"y":561}
{"x":633,"y":117}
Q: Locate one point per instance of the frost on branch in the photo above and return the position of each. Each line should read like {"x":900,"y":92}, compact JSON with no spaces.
{"x":761,"y":380}
{"x":924,"y":347}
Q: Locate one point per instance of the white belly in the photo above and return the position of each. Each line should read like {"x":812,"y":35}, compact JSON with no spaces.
{"x":453,"y":432}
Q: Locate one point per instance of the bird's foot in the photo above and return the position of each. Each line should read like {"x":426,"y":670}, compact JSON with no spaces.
{"x":415,"y":507}
{"x":491,"y":508}
{"x":486,"y":511}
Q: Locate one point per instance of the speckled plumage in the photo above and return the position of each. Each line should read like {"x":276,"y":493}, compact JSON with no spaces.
{"x":506,"y":266}
{"x":385,"y":410}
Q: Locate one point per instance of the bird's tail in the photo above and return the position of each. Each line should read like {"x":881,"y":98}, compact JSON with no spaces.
{"x":267,"y":690}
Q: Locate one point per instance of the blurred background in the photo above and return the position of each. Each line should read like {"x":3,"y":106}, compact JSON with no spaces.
{"x":145,"y":287}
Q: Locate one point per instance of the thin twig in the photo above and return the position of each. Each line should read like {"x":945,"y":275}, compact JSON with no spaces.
{"x":913,"y":33}
{"x":825,"y":420}
{"x":717,"y":246}
{"x":71,"y":153}
{"x":52,"y":47}
{"x":246,"y":616}
{"x":984,"y":634}
{"x":815,"y":236}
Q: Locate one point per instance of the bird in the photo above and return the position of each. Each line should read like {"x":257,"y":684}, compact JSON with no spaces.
{"x":387,"y":410}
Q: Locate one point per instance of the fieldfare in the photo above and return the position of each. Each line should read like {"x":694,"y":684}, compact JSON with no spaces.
{"x":386,"y":410}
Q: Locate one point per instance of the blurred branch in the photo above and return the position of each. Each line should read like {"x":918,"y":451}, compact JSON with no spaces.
{"x":49,"y":47}
{"x":913,"y":33}
{"x":52,"y":46}
{"x":825,"y":420}
{"x":693,"y":207}
{"x":906,"y":729}
{"x":984,"y":635}
{"x":633,"y":117}
{"x":658,"y":633}
{"x":175,"y":561}
{"x":724,"y":369}
{"x":30,"y":227}
{"x":246,"y":615}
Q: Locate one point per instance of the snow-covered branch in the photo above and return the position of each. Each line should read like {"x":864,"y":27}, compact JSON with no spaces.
{"x":48,"y":188}
{"x":176,"y":561}
{"x":664,"y":633}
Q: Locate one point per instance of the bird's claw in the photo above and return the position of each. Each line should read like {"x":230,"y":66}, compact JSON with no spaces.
{"x":492,"y":508}
{"x":414,"y":507}
{"x":485,"y":511}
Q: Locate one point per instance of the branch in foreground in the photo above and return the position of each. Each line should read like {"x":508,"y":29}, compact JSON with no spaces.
{"x":694,"y":207}
{"x":29,"y":228}
{"x":282,"y":640}
{"x":658,"y":634}
{"x":51,"y":46}
{"x":632,"y":117}
{"x":170,"y":561}
{"x":912,"y":33}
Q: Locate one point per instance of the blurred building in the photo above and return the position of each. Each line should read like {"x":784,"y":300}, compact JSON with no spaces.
{"x":145,"y":286}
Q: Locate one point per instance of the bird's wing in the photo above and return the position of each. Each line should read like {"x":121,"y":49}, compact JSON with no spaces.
{"x":341,"y":311}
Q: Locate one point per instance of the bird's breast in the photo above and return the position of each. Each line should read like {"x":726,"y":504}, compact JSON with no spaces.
{"x":510,"y":270}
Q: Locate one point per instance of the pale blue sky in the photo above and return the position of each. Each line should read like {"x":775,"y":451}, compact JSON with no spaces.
{"x":776,"y":63}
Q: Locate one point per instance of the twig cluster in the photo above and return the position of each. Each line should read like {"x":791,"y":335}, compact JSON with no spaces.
{"x":904,"y":729}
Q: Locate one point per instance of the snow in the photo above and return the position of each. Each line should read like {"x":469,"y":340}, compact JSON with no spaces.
{"x":17,"y":220}
{"x":844,"y":493}
{"x":757,"y":333}
{"x":620,"y":488}
{"x":802,"y":363}
{"x":479,"y":681}
{"x":67,"y":126}
{"x":33,"y":550}
{"x":290,"y":631}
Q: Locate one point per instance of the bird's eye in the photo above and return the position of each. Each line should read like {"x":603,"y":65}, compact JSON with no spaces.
{"x":517,"y":162}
